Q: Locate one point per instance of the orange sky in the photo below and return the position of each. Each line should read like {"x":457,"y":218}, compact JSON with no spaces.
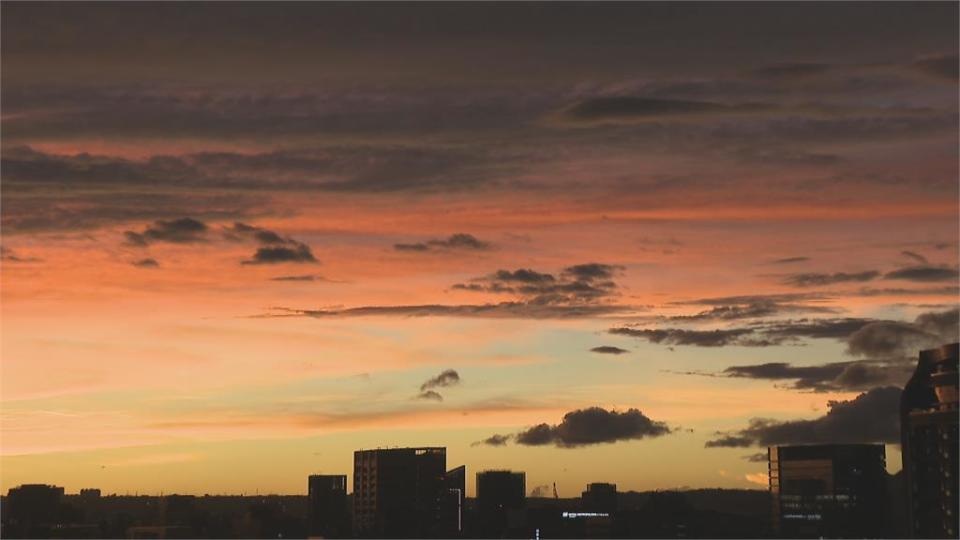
{"x":205,"y":271}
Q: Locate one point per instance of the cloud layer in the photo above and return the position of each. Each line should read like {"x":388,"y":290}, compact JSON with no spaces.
{"x":871,"y":417}
{"x":584,"y":427}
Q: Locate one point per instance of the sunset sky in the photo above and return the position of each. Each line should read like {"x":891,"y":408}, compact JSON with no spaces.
{"x":633,"y":243}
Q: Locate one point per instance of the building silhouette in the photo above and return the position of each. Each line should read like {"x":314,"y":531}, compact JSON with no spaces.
{"x":928,"y":431}
{"x":453,"y":503}
{"x":828,"y":490}
{"x":501,"y":502}
{"x":327,"y":512}
{"x":599,"y":497}
{"x":31,"y":510}
{"x":397,"y":492}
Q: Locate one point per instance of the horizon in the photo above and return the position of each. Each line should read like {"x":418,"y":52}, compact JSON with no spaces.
{"x":634,"y":243}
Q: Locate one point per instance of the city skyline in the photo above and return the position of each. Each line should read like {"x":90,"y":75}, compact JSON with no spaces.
{"x":815,"y":490}
{"x":634,"y":243}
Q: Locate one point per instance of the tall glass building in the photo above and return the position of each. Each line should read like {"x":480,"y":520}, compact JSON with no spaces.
{"x":928,"y":431}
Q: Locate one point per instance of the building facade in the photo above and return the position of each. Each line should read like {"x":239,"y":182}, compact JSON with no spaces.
{"x":397,"y":492}
{"x":327,"y":512}
{"x":828,"y":490}
{"x":928,"y":431}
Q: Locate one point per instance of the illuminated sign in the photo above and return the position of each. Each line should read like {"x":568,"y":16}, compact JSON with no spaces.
{"x":575,"y":515}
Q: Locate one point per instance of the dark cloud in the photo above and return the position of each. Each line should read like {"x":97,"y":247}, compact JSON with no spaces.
{"x":871,"y":417}
{"x":579,"y":284}
{"x":430,"y":395}
{"x":494,"y":440}
{"x":523,"y":276}
{"x":871,"y":338}
{"x":940,"y":323}
{"x":89,"y":190}
{"x":751,"y":311}
{"x":446,"y":378}
{"x":698,"y":338}
{"x":924,"y":273}
{"x":763,"y":334}
{"x":951,"y":290}
{"x":179,"y":231}
{"x":591,"y":271}
{"x":759,"y":457}
{"x":817,"y":279}
{"x":753,"y":299}
{"x":63,"y":210}
{"x":304,"y":277}
{"x":146,"y":263}
{"x":460,"y":241}
{"x":838,"y":376}
{"x":916,"y":257}
{"x":301,"y":253}
{"x":275,"y":247}
{"x":589,"y":426}
{"x":502,"y":310}
{"x":608,"y":349}
{"x":729,"y":441}
{"x":885,"y":339}
{"x":835,"y":328}
{"x":791,"y":260}
{"x":264,"y":236}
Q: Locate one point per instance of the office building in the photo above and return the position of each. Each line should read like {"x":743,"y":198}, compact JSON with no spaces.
{"x":501,"y":502}
{"x":828,"y":490}
{"x":397,"y":492}
{"x":599,"y":498}
{"x":928,"y":431}
{"x":327,"y":513}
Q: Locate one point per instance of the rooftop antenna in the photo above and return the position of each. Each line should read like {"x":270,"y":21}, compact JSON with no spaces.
{"x":555,"y":496}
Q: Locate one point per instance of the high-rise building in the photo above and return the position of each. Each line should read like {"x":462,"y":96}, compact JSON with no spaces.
{"x":928,"y":432}
{"x":828,"y":490}
{"x":327,"y":511}
{"x":501,"y":502}
{"x":397,"y":492}
{"x":599,"y":497}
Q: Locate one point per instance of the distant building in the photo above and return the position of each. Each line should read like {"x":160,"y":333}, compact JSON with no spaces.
{"x":599,"y":497}
{"x":397,"y":492}
{"x":501,"y":502}
{"x":928,"y":431}
{"x":327,"y":513}
{"x":828,"y":490}
{"x":92,"y":493}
